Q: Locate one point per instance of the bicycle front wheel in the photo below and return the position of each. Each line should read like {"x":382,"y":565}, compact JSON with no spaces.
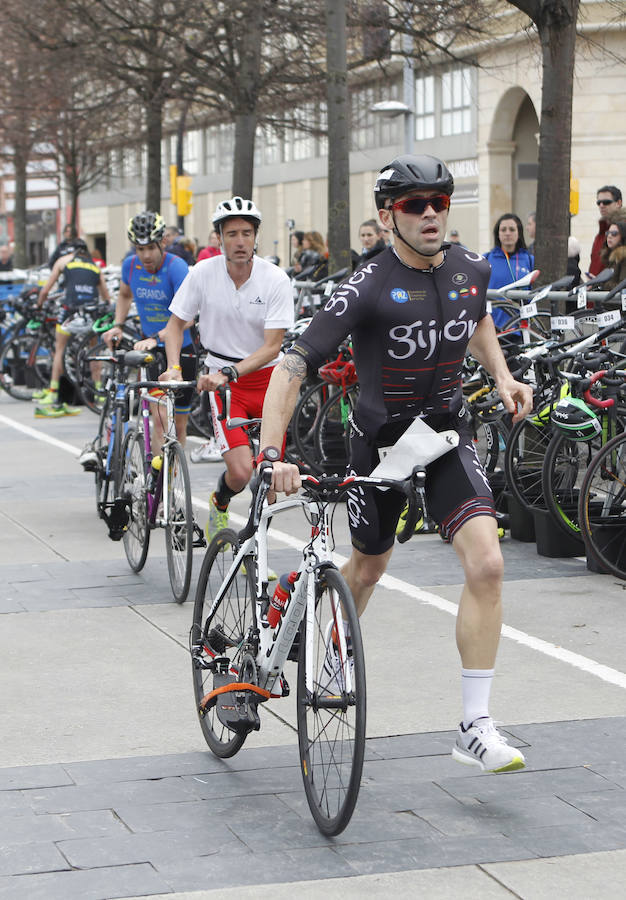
{"x":137,"y":536}
{"x":179,"y":528}
{"x":331,"y":705}
{"x":602,"y":507}
{"x":220,"y":632}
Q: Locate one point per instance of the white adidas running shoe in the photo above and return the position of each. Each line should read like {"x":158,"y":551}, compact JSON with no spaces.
{"x":481,"y":744}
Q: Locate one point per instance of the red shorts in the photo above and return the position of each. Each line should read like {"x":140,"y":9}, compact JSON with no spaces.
{"x":246,"y":401}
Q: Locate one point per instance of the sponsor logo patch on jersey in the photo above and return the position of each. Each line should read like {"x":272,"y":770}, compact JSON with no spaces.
{"x":399,"y":295}
{"x":257,"y":301}
{"x":453,"y":295}
{"x":459,"y":278}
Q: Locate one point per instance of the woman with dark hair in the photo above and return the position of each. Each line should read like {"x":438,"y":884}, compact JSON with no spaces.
{"x":509,"y":258}
{"x":613,"y":253}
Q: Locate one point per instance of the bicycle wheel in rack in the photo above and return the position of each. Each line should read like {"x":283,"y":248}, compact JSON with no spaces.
{"x":602,"y":507}
{"x":564,"y":468}
{"x":137,"y":536}
{"x":331,"y":706}
{"x":179,"y":529}
{"x":332,"y":432}
{"x":26,"y":364}
{"x":523,"y":460}
{"x":303,"y":421}
{"x":220,"y":632}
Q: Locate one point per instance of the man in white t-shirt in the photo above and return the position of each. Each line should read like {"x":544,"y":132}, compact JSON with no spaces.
{"x":245,"y":304}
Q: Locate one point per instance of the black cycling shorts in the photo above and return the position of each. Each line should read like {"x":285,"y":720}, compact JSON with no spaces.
{"x":189,"y":369}
{"x":456,"y":488}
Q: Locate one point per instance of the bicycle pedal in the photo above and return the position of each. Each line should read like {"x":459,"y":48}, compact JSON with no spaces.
{"x":199,"y":539}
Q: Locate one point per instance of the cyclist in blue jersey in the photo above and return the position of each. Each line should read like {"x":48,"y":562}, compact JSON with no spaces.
{"x":151,"y":277}
{"x":412,"y":313}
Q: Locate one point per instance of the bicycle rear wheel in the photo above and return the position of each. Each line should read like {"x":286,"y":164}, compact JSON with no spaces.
{"x":26,"y":364}
{"x":564,"y":468}
{"x":137,"y":536}
{"x":523,"y":461}
{"x":179,"y":528}
{"x":332,"y":431}
{"x":331,"y":706}
{"x":602,"y":507}
{"x":220,"y":632}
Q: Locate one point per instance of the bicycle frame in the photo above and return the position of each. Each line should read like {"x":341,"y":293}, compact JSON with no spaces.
{"x":161,"y":485}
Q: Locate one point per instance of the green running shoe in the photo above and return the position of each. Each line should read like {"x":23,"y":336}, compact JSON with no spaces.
{"x":70,"y":410}
{"x":218,"y":519}
{"x":44,"y":395}
{"x":49,"y":412}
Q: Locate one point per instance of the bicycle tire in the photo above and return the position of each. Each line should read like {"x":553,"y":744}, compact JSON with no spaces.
{"x":602,"y":507}
{"x":331,"y":434}
{"x":303,"y":423}
{"x":231,"y":620}
{"x":26,"y":365}
{"x":137,"y":536}
{"x":523,"y":461}
{"x":564,"y":467}
{"x":101,"y":446}
{"x":179,"y":528}
{"x":331,"y":741}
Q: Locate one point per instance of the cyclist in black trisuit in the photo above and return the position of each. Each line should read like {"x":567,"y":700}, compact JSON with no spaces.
{"x":412,"y":312}
{"x":84,"y":280}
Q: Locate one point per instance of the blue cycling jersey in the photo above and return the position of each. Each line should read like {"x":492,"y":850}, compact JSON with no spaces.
{"x":153,"y":291}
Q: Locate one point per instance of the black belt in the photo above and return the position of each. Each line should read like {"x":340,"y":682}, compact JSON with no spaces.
{"x":233,"y":359}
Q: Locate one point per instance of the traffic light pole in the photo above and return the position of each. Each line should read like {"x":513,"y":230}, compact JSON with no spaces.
{"x":179,"y":156}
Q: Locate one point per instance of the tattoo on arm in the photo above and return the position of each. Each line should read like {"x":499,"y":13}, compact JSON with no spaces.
{"x":294,"y":366}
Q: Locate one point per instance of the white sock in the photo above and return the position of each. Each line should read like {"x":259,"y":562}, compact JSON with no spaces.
{"x":476,"y":687}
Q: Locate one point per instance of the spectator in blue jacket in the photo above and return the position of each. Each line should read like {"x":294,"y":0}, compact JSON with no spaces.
{"x":509,"y":258}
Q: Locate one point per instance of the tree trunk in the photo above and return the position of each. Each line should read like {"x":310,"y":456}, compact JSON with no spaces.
{"x":339,"y":137}
{"x":557,"y":32}
{"x":20,"y":161}
{"x":248,"y":87}
{"x":154,"y":134}
{"x":243,"y":159}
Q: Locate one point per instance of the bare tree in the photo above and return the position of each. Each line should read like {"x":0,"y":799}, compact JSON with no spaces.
{"x":134,"y":46}
{"x":556,"y":25}
{"x":24,"y":125}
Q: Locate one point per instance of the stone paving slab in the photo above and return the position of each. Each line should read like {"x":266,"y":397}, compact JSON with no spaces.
{"x":68,"y":585}
{"x":182,"y":822}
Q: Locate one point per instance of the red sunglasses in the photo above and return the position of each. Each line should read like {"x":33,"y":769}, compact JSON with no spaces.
{"x":416,"y":205}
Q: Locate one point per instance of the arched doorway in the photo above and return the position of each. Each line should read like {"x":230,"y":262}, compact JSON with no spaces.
{"x":513,"y":156}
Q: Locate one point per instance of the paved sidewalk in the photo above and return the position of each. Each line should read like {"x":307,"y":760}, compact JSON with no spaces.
{"x":183,"y":822}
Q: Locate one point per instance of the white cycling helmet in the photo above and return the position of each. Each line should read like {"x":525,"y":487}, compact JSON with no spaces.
{"x":236,"y":206}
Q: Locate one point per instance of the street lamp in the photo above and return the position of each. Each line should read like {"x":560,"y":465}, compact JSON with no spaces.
{"x":405,"y":107}
{"x":391,"y":109}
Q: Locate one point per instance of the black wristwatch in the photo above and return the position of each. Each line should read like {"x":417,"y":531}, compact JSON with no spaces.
{"x":230,"y":372}
{"x":269,"y":454}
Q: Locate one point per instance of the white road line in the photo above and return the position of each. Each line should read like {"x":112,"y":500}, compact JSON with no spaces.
{"x":40,"y":436}
{"x":583,"y":663}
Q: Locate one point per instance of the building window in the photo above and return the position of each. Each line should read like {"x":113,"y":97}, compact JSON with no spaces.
{"x":424,"y":107}
{"x":191,"y":152}
{"x":456,"y":113}
{"x":225,"y":146}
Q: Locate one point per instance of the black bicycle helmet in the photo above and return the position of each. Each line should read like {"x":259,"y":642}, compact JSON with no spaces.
{"x":80,"y":246}
{"x":406,"y":173}
{"x":575,"y":419}
{"x":146,"y":228}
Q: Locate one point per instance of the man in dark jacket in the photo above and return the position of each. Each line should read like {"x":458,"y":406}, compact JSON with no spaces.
{"x":609,"y":199}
